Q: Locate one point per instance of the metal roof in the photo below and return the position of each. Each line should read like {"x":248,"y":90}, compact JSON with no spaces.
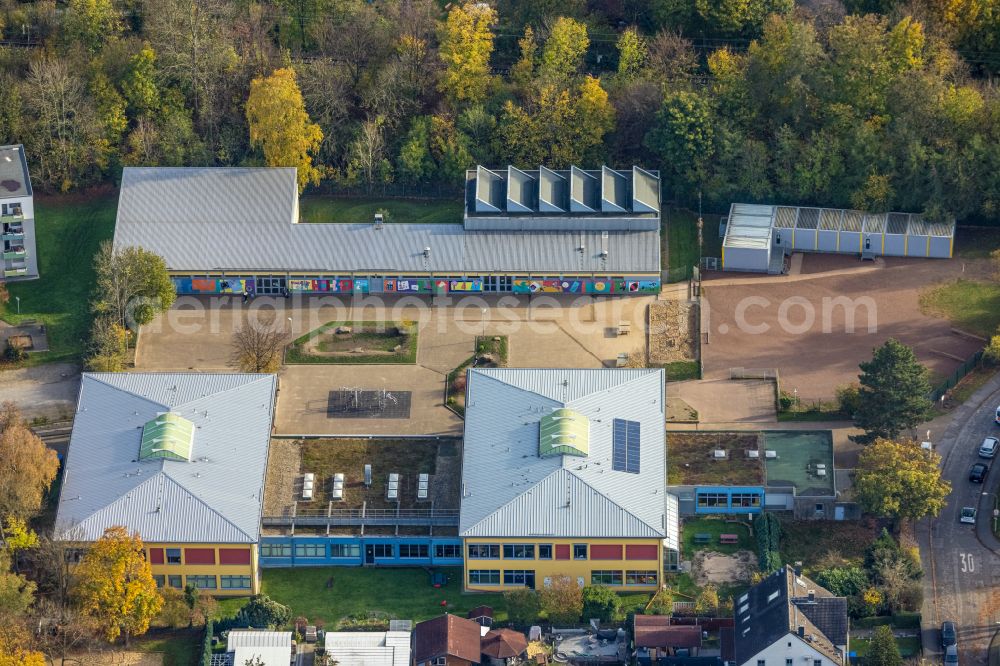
{"x":214,"y":497}
{"x":14,"y":178}
{"x":510,"y":491}
{"x":243,"y":220}
{"x":273,"y":648}
{"x":584,"y":191}
{"x":369,"y":648}
{"x":749,"y":226}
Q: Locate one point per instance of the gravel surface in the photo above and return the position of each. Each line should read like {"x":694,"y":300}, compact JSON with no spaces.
{"x":283,"y":463}
{"x":673,"y":333}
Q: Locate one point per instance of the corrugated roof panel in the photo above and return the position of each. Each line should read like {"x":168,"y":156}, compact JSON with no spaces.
{"x":753,"y":209}
{"x":584,"y":191}
{"x":942,"y":229}
{"x":645,"y":191}
{"x":785,"y":216}
{"x":808,"y":218}
{"x":829,"y":219}
{"x":522,"y":191}
{"x":216,"y":496}
{"x":897,"y":223}
{"x":875,"y":223}
{"x":510,"y":490}
{"x":852,"y":221}
{"x":918,"y":226}
{"x":614,"y":191}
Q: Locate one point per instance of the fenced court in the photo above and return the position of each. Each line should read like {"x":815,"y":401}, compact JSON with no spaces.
{"x":356,"y":403}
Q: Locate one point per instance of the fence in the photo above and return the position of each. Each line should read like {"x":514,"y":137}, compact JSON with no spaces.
{"x":961,"y":371}
{"x":711,"y":264}
{"x":677,"y":274}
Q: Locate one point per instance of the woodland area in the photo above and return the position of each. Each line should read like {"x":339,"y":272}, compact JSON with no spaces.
{"x":872,"y":104}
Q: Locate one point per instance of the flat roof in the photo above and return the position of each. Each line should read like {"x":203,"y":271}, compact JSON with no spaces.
{"x":749,"y":227}
{"x":800,"y":453}
{"x":204,"y":220}
{"x":746,"y":222}
{"x":14,"y":178}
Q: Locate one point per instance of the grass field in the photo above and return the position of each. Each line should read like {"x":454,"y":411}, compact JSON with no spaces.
{"x":180,"y":647}
{"x":401,"y":593}
{"x":715,"y":527}
{"x":908,"y":646}
{"x":970,"y":305}
{"x":377,"y":337}
{"x":68,"y":233}
{"x":681,"y":238}
{"x":319,"y":208}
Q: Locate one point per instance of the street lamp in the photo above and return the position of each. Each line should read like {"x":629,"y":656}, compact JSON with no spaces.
{"x":484,"y":322}
{"x":18,"y":300}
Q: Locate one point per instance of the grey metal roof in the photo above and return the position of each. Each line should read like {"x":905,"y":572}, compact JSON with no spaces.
{"x":522,"y":191}
{"x":645,"y":191}
{"x":369,"y":648}
{"x":216,"y":497}
{"x":584,"y":191}
{"x":614,"y":191}
{"x":749,"y":226}
{"x":271,"y":648}
{"x":489,"y":190}
{"x":14,"y":178}
{"x":238,"y":225}
{"x":553,"y":191}
{"x":509,"y":491}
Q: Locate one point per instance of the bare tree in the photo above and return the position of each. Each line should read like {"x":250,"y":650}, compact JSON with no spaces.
{"x":368,"y":152}
{"x":257,"y":347}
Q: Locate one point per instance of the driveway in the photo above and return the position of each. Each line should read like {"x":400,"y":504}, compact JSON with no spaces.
{"x":962,"y":562}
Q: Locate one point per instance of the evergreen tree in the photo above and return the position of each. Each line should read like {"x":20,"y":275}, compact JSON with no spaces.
{"x":893,"y":394}
{"x":882,"y":650}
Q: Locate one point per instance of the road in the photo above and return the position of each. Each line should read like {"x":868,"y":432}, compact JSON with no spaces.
{"x":962,"y":562}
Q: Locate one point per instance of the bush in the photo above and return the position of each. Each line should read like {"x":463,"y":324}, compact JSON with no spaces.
{"x":601,"y":602}
{"x":14,"y":352}
{"x":785,"y":401}
{"x":849,"y":398}
{"x":768,"y":530}
{"x":206,"y":649}
{"x":843,"y":581}
{"x":562,"y":600}
{"x":523,"y":606}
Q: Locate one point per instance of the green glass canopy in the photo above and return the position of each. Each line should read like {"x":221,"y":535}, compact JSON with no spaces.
{"x":563,"y":432}
{"x":168,"y":436}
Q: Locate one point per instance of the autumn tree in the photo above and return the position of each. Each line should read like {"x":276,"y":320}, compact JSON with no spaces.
{"x":115,"y":585}
{"x":562,"y":600}
{"x":257,"y":347}
{"x":280,"y":125}
{"x":632,"y":54}
{"x":893,"y":393}
{"x":27,"y":466}
{"x":523,"y":606}
{"x":900,"y":480}
{"x":562,"y":55}
{"x":600,"y":601}
{"x":466,"y":43}
{"x":133,"y":285}
{"x":108,"y":344}
{"x":91,"y":22}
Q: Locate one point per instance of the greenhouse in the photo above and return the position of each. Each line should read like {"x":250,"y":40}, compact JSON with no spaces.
{"x":758,"y":237}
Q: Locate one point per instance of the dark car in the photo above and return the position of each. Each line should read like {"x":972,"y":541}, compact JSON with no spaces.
{"x":949,"y":635}
{"x":978,"y":472}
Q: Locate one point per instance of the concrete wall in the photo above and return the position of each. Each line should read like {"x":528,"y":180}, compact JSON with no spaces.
{"x":746,"y":259}
{"x":895,"y":245}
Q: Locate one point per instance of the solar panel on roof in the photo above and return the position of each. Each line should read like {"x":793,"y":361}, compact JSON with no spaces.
{"x":625,"y":446}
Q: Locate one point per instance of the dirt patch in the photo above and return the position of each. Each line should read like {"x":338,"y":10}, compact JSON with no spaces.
{"x":711,"y":567}
{"x":673,"y":331}
{"x":117,"y":658}
{"x":284,"y":459}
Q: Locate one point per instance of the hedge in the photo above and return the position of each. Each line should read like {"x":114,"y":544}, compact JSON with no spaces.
{"x":768,"y":530}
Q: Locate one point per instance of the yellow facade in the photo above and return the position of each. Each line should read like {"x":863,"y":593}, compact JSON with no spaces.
{"x":591,"y":560}
{"x":229,"y":577}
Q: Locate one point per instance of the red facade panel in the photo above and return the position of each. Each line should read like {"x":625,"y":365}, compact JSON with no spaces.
{"x":234,"y":556}
{"x":199,"y":556}
{"x":640,"y":552}
{"x":156,"y":556}
{"x":606,"y":551}
{"x":562,"y":551}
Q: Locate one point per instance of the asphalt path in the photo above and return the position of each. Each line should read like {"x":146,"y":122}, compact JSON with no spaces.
{"x":961,"y":561}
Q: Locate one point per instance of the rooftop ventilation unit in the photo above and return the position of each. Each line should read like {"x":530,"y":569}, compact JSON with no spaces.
{"x":368,"y":476}
{"x":308,"y":480}
{"x":423,"y":484}
{"x":770,"y":453}
{"x":337,"y":492}
{"x":719,"y":453}
{"x":753,"y":453}
{"x":392,"y":487}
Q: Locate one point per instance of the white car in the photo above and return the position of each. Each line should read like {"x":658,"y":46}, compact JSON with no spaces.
{"x":968,"y":515}
{"x":989,"y":447}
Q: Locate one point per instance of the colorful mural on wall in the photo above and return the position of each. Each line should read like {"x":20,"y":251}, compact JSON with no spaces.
{"x":618,"y":286}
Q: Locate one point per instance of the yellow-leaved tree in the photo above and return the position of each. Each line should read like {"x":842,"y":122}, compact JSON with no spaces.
{"x":281,"y":127}
{"x":115,"y":585}
{"x":466,"y":45}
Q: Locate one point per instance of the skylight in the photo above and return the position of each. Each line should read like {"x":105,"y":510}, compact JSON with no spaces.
{"x":563,"y":432}
{"x":168,"y":437}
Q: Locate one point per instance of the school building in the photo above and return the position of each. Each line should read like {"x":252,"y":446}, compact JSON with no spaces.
{"x":180,"y":459}
{"x":564,"y":474}
{"x":229,"y":230}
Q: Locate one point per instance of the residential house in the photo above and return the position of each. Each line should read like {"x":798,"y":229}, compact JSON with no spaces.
{"x":17,"y":216}
{"x":655,"y":639}
{"x":256,"y":648}
{"x":368,"y":648}
{"x":447,"y":640}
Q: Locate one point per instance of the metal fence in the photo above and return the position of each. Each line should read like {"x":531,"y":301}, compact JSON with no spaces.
{"x":961,"y":371}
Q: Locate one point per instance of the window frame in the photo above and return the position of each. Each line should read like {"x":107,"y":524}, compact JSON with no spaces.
{"x":450,"y":551}
{"x":175,"y":578}
{"x":267,"y":549}
{"x":575,"y":551}
{"x":197,"y":579}
{"x":607,"y":577}
{"x":169,"y":559}
{"x":548,"y":547}
{"x":518,"y":551}
{"x":641,"y":576}
{"x":160,"y":580}
{"x":383,"y":547}
{"x":310,"y":550}
{"x":223,"y":586}
{"x":492,"y":548}
{"x":515,"y":574}
{"x":405,"y":551}
{"x":489,"y":574}
{"x":341,"y":551}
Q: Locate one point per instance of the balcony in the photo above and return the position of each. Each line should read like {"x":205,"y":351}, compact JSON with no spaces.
{"x":15,"y":253}
{"x":14,"y":272}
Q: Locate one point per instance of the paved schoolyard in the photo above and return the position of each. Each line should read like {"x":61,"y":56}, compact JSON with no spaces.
{"x":543,"y":331}
{"x":44,"y":391}
{"x":763,"y":322}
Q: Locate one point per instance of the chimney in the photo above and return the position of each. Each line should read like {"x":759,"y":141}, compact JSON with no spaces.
{"x":802,"y":631}
{"x":797,"y":569}
{"x":812,"y":596}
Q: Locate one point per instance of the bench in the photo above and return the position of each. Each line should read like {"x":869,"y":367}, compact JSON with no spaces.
{"x":703,"y":537}
{"x":729,"y":538}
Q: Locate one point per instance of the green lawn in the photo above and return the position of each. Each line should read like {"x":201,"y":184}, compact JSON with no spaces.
{"x":681,"y":238}
{"x":377,"y":337}
{"x":679,"y":371}
{"x":824,"y":543}
{"x":401,"y":593}
{"x":715,"y":527}
{"x":180,"y":647}
{"x":68,"y":233}
{"x":323,"y":208}
{"x":908,"y":647}
{"x":970,"y":305}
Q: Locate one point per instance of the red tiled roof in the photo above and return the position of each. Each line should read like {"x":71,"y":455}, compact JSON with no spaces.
{"x":656,"y":631}
{"x":446,"y":635}
{"x":504,"y":643}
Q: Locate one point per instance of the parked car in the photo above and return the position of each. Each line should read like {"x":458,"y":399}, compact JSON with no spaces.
{"x":968,"y":515}
{"x":949,"y":634}
{"x":978,"y":472}
{"x":996,"y":419}
{"x":951,"y":656}
{"x":989,"y":447}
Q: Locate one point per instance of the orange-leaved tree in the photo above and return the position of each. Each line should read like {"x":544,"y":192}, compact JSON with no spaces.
{"x":115,"y":585}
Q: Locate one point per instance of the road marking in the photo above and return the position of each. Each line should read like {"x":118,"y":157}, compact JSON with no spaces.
{"x":968,"y":562}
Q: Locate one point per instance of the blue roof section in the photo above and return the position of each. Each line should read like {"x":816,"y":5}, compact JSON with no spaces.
{"x":217,"y":496}
{"x":508,"y":490}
